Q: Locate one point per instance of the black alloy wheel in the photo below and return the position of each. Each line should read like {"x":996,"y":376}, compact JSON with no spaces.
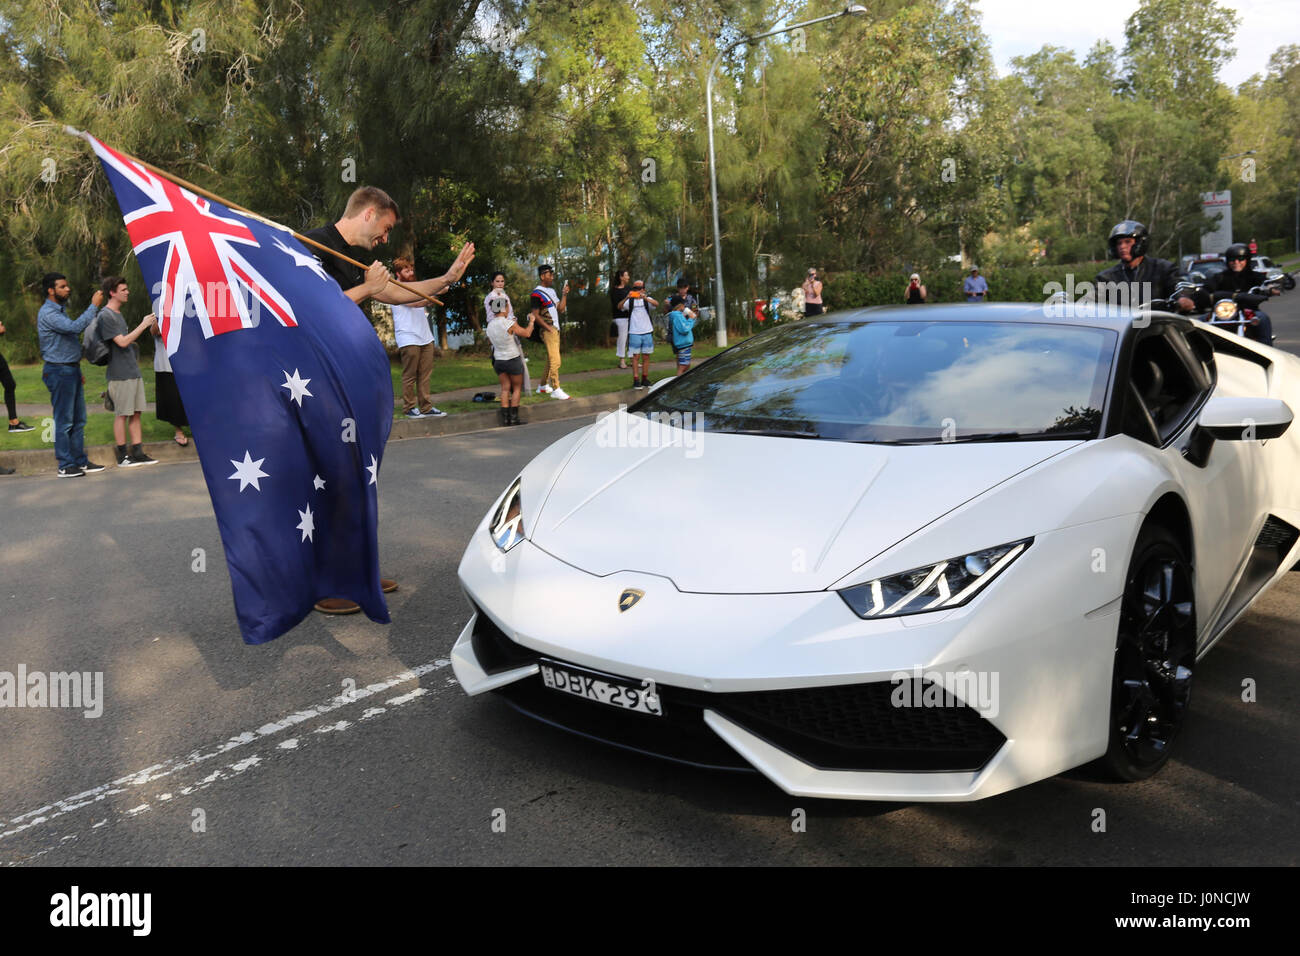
{"x":1154,"y":657}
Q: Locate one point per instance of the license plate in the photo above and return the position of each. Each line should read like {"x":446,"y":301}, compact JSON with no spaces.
{"x":603,"y":689}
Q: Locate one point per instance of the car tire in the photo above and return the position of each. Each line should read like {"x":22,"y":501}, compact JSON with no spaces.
{"x":1155,"y":651}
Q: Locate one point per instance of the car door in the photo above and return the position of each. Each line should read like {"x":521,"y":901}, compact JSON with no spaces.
{"x":1174,"y":373}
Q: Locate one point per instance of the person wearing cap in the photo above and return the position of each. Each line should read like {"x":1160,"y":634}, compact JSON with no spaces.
{"x":915,"y":293}
{"x":975,"y":286}
{"x":550,"y":323}
{"x":504,"y":332}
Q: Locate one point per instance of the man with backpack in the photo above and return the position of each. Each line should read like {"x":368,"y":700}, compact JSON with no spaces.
{"x":61,"y":350}
{"x":125,"y":383}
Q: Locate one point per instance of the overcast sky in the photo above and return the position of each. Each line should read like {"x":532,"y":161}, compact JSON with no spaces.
{"x":1016,"y":28}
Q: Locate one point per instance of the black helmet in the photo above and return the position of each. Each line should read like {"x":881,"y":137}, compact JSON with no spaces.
{"x":1238,"y":250}
{"x":1129,"y":229}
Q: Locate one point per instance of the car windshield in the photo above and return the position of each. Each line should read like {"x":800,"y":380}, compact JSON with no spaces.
{"x":902,"y":382}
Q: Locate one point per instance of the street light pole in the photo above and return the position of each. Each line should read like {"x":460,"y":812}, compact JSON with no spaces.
{"x":720,"y":299}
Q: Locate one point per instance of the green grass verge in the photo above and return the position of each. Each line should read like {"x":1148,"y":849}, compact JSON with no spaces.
{"x":99,"y":431}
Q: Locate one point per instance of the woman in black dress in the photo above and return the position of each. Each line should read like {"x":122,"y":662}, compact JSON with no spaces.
{"x":167,"y":398}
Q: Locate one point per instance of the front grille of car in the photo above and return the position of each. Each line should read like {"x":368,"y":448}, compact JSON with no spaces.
{"x":842,"y":727}
{"x":860,"y":727}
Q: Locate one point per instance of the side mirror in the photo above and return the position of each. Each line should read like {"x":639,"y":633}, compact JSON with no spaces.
{"x":1245,"y":419}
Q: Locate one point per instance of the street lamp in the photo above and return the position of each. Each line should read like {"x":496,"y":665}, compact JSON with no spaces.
{"x":720,"y":305}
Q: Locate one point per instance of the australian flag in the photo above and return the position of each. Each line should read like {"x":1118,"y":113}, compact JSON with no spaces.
{"x":288,"y":393}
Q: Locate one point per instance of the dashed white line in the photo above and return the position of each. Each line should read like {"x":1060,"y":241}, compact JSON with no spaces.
{"x":167,"y":768}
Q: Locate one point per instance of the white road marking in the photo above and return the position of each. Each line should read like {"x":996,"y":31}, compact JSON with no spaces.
{"x":173,"y":766}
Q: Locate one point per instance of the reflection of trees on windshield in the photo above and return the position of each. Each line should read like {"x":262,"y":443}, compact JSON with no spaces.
{"x":880,"y":381}
{"x":1076,"y":419}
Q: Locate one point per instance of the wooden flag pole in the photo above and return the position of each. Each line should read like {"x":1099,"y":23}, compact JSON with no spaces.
{"x":432,"y":300}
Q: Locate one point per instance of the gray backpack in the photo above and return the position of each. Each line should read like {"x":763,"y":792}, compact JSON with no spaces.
{"x":94,"y":349}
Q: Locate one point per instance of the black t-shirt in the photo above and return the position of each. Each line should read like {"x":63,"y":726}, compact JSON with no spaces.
{"x":1243,"y":281}
{"x":616,"y":296}
{"x":345,"y":274}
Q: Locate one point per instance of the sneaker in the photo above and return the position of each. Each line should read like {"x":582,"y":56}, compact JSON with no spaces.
{"x":559,"y":393}
{"x":142,"y":459}
{"x":72,"y":471}
{"x":638,"y":383}
{"x":125,"y":460}
{"x":645,"y":382}
{"x":415,"y":413}
{"x":543,"y":390}
{"x":435,"y":412}
{"x":91,"y":468}
{"x":21,"y":427}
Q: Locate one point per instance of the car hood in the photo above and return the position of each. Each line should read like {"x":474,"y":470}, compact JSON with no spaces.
{"x":754,"y":514}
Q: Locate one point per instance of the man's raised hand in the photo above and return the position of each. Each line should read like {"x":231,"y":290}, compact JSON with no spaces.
{"x":462,"y":262}
{"x":377,"y":278}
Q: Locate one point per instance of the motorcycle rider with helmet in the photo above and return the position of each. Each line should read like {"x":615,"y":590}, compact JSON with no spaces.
{"x":1238,"y":278}
{"x":1128,"y":242}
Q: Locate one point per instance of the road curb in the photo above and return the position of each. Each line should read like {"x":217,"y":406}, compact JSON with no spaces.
{"x":40,"y":461}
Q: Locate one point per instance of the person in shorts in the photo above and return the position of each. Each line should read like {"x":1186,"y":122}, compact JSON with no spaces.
{"x":504,"y":332}
{"x":640,"y":333}
{"x":681,"y":331}
{"x":125,"y":384}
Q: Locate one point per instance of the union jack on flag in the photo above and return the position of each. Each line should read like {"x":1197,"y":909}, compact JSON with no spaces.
{"x":287,"y":389}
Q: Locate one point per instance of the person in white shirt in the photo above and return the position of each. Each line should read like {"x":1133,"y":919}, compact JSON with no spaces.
{"x":498,"y":283}
{"x":504,"y":332}
{"x":557,"y":302}
{"x":415,"y":345}
{"x":640,"y":332}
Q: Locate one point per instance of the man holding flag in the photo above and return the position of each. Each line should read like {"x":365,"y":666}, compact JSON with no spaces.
{"x":369,"y":216}
{"x":287,"y":389}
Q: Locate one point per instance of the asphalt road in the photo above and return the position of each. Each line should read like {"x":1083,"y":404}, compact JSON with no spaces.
{"x":211,"y":752}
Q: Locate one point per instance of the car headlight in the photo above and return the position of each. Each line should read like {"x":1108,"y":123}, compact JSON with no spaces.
{"x":937,"y":587}
{"x":507,"y":524}
{"x":1225,"y":309}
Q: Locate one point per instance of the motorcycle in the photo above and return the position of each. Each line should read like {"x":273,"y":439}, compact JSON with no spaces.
{"x":1238,"y":312}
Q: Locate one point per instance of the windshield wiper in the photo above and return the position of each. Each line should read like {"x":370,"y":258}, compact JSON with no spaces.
{"x":769,"y":432}
{"x":987,"y":436}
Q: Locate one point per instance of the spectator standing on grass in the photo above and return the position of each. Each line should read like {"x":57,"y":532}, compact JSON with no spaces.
{"x":812,"y":294}
{"x":414,"y":338}
{"x":504,"y":332}
{"x":975,"y":287}
{"x":640,"y":333}
{"x":557,"y":302}
{"x":61,"y":349}
{"x":681,"y":331}
{"x":1254,"y":249}
{"x":166,"y":396}
{"x":915,"y":292}
{"x":498,"y":288}
{"x":617,"y":296}
{"x":10,"y":389}
{"x":125,"y":383}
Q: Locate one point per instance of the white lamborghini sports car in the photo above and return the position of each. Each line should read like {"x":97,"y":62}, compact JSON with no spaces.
{"x":903,"y":554}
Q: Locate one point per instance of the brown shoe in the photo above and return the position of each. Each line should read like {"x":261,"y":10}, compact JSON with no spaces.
{"x":337,"y":606}
{"x":387,"y":585}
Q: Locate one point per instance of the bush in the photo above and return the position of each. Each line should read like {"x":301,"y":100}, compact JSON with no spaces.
{"x":1276,"y":248}
{"x":853,"y":290}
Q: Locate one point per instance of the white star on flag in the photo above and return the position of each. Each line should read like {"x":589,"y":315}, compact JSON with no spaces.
{"x":373,"y":468}
{"x":299,"y":259}
{"x":306,"y":525}
{"x":297,"y":387}
{"x":248,"y":472}
{"x":318,"y":483}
